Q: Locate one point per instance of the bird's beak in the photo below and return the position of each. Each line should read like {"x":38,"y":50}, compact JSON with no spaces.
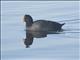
{"x":22,"y":19}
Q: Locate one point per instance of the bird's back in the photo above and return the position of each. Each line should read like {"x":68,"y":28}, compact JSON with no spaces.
{"x":43,"y":25}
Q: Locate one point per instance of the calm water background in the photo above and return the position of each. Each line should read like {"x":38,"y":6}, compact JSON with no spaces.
{"x":64,"y":46}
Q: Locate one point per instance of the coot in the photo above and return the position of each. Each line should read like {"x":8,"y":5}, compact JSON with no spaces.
{"x":41,"y":25}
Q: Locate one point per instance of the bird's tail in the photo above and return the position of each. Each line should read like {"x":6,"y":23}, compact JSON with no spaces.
{"x":62,"y":24}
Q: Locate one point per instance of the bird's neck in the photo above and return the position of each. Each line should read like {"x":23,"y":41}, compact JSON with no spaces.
{"x":29,"y":23}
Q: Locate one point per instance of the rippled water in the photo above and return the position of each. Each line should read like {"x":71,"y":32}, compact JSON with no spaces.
{"x":63,"y":46}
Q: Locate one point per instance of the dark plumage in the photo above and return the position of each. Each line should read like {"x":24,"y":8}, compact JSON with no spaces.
{"x":42,"y":25}
{"x":39,"y":29}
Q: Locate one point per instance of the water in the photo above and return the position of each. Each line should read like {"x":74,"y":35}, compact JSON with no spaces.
{"x":64,"y":46}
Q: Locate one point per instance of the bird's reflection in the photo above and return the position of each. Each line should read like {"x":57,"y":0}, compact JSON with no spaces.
{"x":30,"y":35}
{"x":28,"y":40}
{"x":39,"y":29}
